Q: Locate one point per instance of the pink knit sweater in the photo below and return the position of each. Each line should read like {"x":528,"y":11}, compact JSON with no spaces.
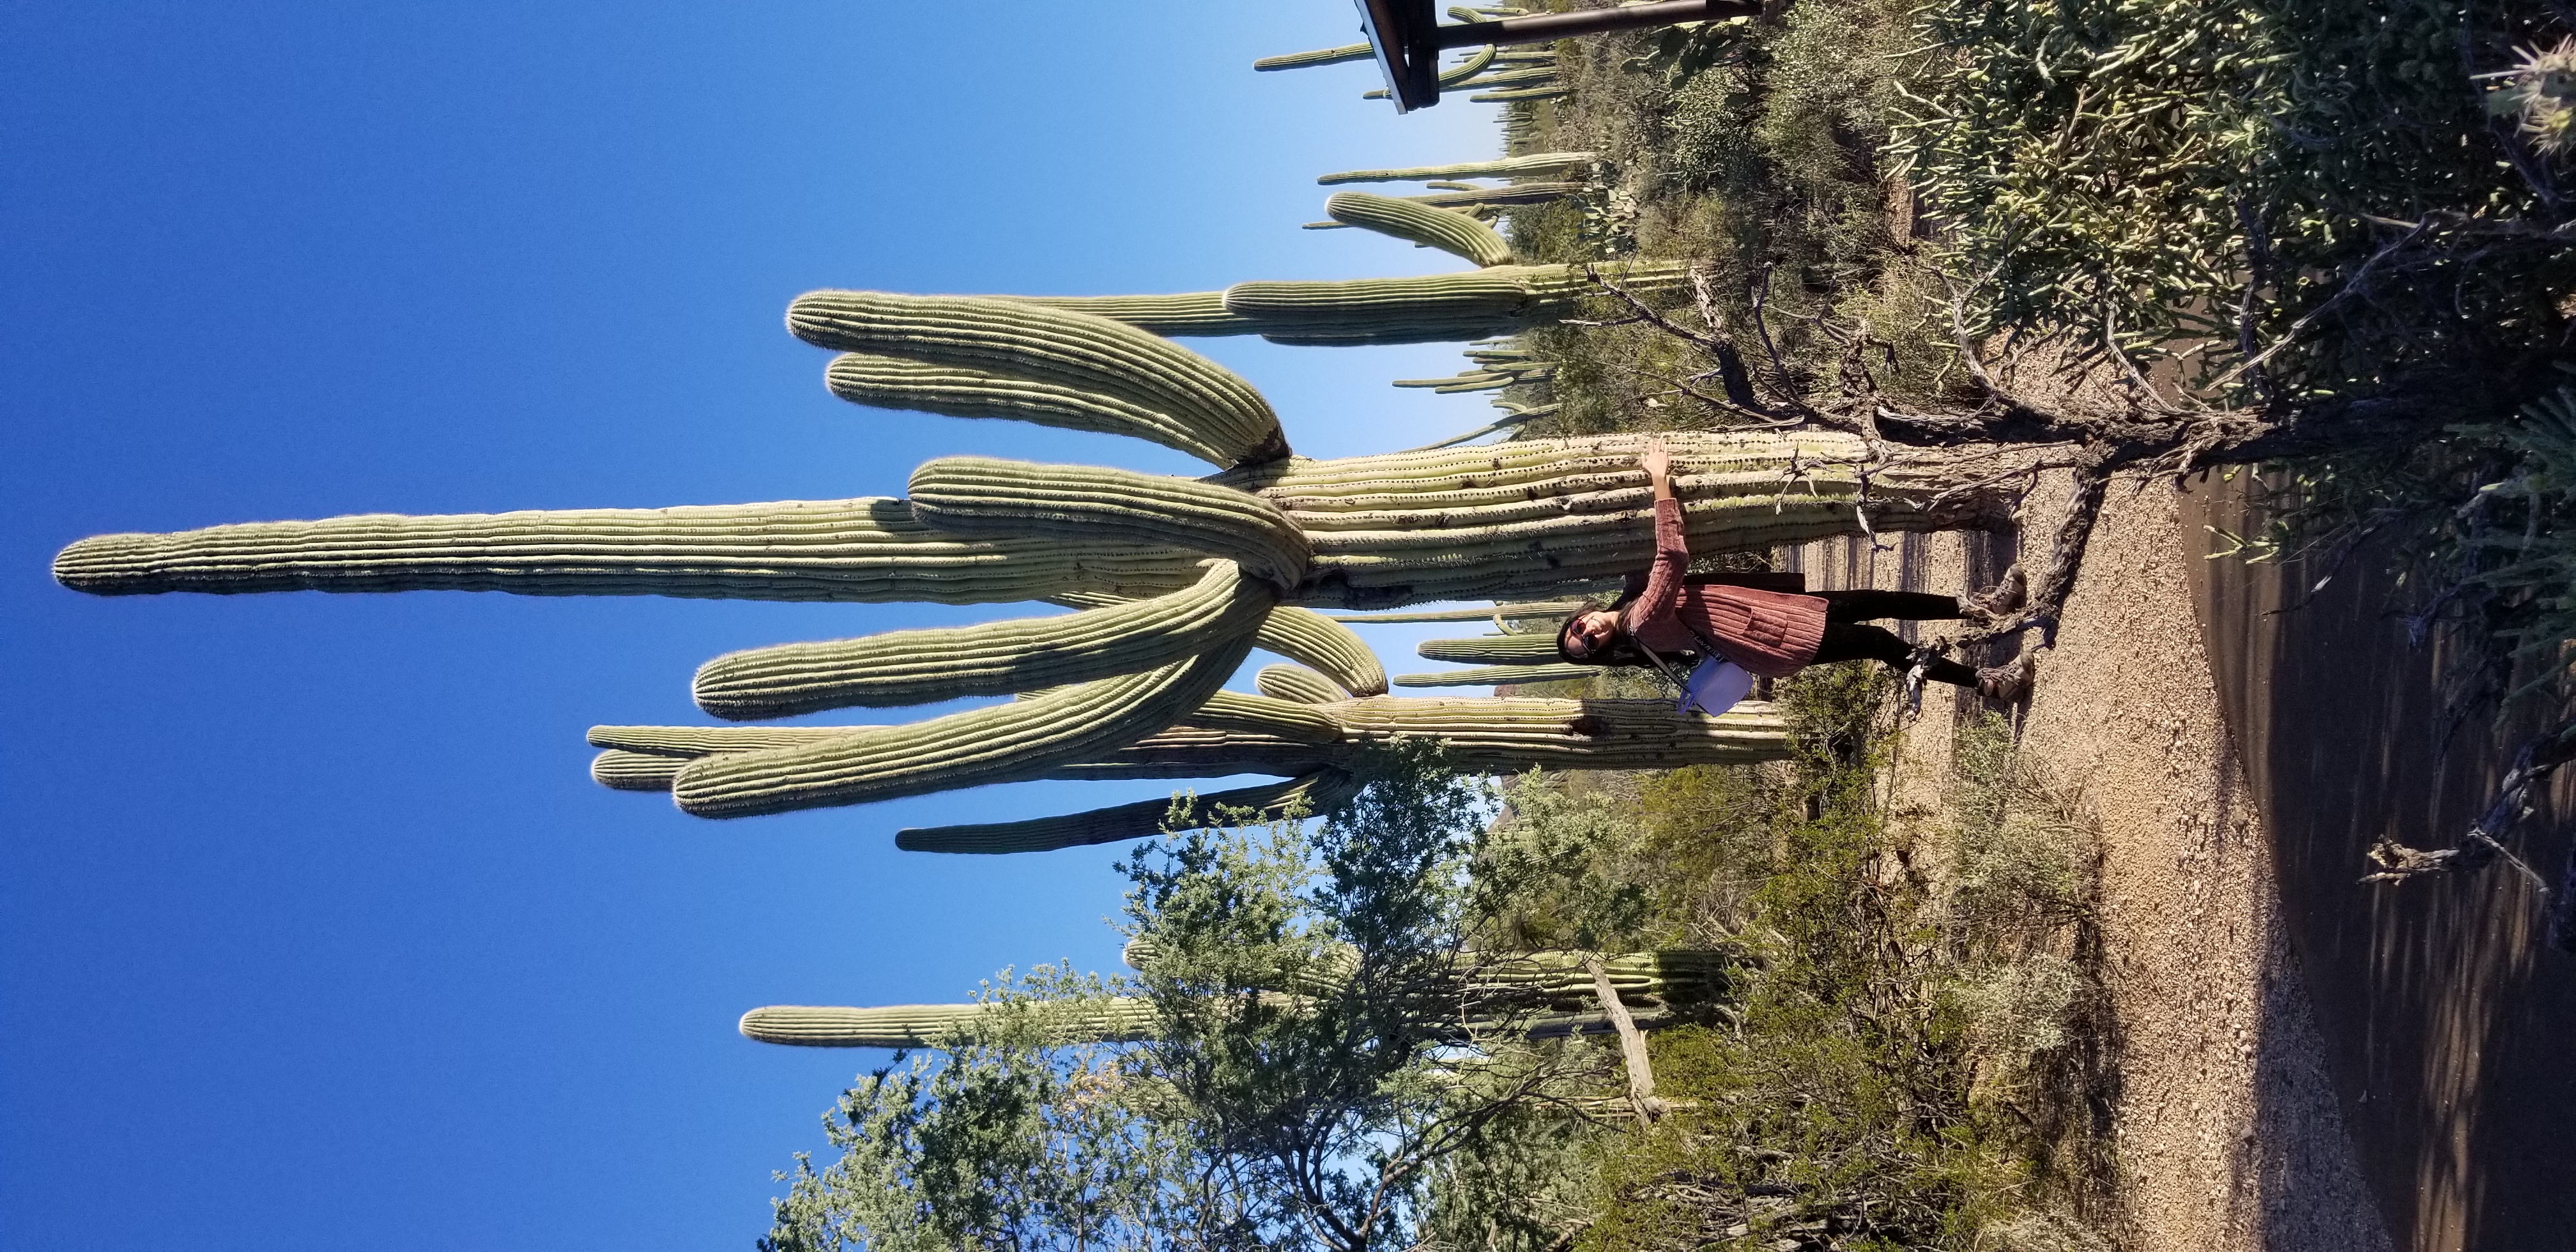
{"x":1770,"y":633}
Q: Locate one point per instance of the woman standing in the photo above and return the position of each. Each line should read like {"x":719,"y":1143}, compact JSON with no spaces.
{"x":1771,"y":634}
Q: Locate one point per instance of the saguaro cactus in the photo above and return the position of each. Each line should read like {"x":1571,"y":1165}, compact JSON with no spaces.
{"x":1430,"y":308}
{"x":1173,"y":580}
{"x":1538,"y":165}
{"x":1533,"y":995}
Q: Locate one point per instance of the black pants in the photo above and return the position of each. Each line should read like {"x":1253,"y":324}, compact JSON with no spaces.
{"x":1847,"y":640}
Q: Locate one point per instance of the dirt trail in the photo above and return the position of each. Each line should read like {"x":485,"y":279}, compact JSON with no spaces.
{"x":2448,"y":1027}
{"x":2227,"y":1131}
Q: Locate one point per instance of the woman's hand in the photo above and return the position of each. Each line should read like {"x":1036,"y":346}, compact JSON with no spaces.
{"x":1657,"y":461}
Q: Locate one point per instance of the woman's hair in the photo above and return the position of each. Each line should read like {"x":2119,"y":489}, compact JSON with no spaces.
{"x":1619,"y":649}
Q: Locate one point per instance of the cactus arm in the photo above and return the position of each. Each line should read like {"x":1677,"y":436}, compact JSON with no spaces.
{"x":1000,"y":743}
{"x":1318,"y":790}
{"x":1321,"y":56}
{"x":1520,"y":93}
{"x":1532,"y":165}
{"x":1531,"y":649}
{"x":1498,"y":675}
{"x":1325,"y":646}
{"x":1546,"y":608}
{"x":1512,"y":734}
{"x":1287,"y":719}
{"x":993,"y":658}
{"x":1186,"y":751}
{"x":1109,"y":1019}
{"x":1189,"y":314}
{"x":863,"y":549}
{"x":978,"y":496}
{"x":962,"y":391}
{"x":1296,"y":682}
{"x":1083,"y":351}
{"x":1454,"y":233}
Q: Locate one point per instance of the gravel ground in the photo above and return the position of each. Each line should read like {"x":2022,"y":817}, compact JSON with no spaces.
{"x":2226,"y":1131}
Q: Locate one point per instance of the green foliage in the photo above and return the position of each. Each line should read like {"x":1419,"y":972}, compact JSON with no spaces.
{"x":2136,"y":164}
{"x":1002,"y":1141}
{"x":1892,"y":1070}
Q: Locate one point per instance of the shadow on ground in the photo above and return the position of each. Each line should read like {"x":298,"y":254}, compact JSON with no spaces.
{"x":2450,"y":1031}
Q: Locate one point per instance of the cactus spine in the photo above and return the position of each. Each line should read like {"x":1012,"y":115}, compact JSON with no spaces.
{"x":1453,"y":233}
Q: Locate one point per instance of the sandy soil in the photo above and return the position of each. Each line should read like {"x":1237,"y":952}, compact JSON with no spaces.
{"x":2226,"y":1128}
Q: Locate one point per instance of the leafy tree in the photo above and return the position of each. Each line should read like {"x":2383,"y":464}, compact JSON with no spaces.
{"x":1329,"y":1044}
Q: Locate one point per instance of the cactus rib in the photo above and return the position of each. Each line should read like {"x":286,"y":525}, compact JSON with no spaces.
{"x":865,"y":549}
{"x":1454,"y":233}
{"x":978,"y":496}
{"x":1001,"y":743}
{"x":992,"y":658}
{"x":1319,"y":790}
{"x":1079,"y":350}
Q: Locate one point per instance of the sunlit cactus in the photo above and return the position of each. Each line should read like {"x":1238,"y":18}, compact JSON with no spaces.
{"x":1430,"y":308}
{"x":1172,"y":581}
{"x":1453,"y":233}
{"x":1529,"y":649}
{"x":1536,"y":165}
{"x":1530,"y":995}
{"x":1102,"y":1019}
{"x":1296,"y":683}
{"x":1497,"y":676}
{"x":1321,"y":56}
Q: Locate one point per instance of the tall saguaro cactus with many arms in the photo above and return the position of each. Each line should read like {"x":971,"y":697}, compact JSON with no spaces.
{"x":1171,"y":581}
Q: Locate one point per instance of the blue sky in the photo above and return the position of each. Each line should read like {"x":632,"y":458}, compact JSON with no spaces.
{"x":312,"y":929}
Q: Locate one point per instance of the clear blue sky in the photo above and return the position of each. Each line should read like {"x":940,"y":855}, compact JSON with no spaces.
{"x":313,"y":931}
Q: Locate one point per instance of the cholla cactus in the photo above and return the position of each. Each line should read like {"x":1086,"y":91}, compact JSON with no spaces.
{"x":2541,"y":93}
